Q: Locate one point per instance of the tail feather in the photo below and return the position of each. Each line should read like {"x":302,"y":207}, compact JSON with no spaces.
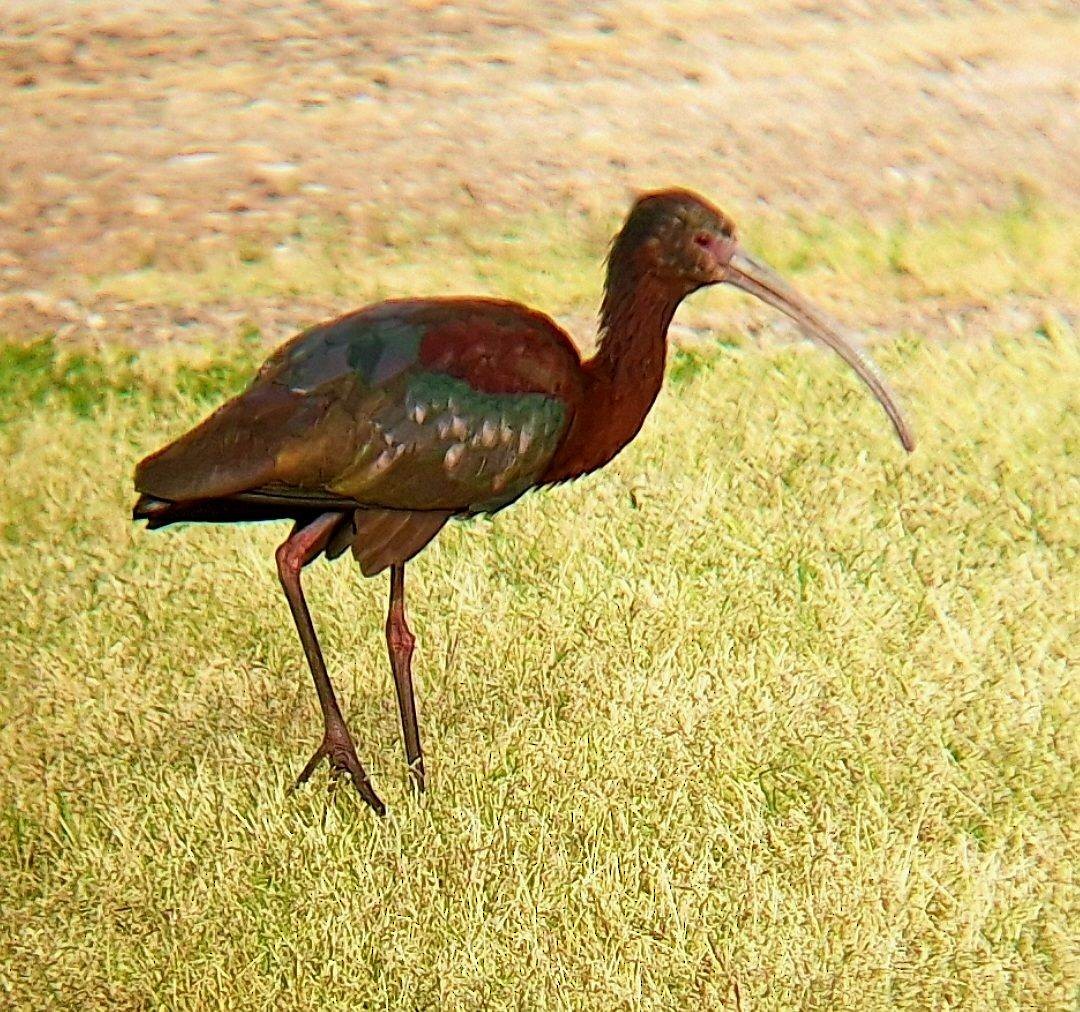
{"x":162,"y":512}
{"x":379,"y":538}
{"x":154,"y":511}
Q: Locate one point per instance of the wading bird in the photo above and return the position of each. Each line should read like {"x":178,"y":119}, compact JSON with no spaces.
{"x":373,"y":430}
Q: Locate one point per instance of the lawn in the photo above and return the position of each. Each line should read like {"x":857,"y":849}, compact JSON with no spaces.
{"x":766,"y":715}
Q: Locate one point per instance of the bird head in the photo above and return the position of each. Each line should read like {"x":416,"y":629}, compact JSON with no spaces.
{"x":684,"y":242}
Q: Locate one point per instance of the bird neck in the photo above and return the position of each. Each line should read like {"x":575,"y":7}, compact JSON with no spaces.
{"x":627,"y":370}
{"x":623,"y":378}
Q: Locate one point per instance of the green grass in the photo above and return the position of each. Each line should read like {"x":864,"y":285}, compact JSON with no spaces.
{"x":764,"y":716}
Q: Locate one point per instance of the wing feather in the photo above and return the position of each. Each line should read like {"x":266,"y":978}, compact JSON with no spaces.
{"x":444,"y":445}
{"x":357,"y":410}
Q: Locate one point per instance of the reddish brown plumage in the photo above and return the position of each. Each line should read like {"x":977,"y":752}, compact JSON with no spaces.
{"x":501,"y":347}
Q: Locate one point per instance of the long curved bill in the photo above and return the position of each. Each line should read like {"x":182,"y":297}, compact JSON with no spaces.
{"x":754,"y":277}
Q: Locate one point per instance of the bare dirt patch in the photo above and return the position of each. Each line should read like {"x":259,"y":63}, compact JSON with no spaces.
{"x":146,"y":134}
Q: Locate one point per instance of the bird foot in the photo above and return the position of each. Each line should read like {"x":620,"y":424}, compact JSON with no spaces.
{"x":337,"y":746}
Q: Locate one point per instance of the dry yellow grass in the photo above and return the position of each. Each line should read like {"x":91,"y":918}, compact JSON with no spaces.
{"x":764,"y":716}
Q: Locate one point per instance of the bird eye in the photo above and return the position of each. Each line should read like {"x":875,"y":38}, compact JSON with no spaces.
{"x":703,"y":239}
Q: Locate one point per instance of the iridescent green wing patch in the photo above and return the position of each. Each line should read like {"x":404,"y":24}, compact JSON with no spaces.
{"x":382,"y":350}
{"x":444,"y":445}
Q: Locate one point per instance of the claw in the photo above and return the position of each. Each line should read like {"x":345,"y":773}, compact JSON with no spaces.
{"x":416,"y":773}
{"x":337,"y":747}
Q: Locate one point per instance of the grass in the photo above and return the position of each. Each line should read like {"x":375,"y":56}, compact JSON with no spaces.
{"x":555,"y":260}
{"x":763,"y":716}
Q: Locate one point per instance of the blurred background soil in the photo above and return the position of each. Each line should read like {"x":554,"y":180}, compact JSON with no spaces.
{"x":146,"y":135}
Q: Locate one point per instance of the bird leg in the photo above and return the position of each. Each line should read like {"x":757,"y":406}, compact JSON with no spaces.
{"x":400,"y":643}
{"x":303,"y":545}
